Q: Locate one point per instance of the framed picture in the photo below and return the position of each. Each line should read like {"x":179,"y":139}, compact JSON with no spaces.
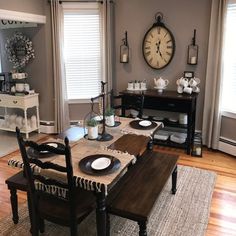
{"x":188,"y":74}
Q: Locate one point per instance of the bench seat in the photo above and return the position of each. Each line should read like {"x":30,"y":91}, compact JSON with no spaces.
{"x":136,"y":193}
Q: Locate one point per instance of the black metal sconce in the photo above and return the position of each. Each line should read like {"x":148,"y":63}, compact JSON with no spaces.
{"x":193,"y":51}
{"x":124,"y":50}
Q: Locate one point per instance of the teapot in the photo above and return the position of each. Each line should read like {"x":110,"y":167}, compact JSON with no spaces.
{"x":160,"y":83}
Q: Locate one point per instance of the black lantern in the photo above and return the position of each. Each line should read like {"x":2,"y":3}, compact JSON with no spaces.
{"x":124,"y":50}
{"x":193,"y":51}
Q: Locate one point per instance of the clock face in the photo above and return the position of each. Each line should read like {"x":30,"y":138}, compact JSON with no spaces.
{"x":158,"y":47}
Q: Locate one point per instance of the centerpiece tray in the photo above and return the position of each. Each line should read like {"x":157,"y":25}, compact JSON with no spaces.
{"x":85,"y":165}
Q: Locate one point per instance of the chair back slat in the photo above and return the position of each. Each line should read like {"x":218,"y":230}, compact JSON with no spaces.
{"x":33,"y":175}
{"x":48,"y":165}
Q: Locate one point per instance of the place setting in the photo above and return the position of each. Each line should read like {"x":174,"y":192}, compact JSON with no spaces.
{"x":143,"y":124}
{"x":33,"y":153}
{"x":99,"y":164}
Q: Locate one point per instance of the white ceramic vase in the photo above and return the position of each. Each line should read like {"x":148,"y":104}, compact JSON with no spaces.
{"x":110,"y":120}
{"x":92,"y":132}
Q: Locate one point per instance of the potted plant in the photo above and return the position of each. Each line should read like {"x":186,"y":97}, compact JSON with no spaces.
{"x":92,"y":126}
{"x":110,"y":117}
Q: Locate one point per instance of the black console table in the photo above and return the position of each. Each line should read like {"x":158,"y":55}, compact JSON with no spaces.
{"x":169,"y":101}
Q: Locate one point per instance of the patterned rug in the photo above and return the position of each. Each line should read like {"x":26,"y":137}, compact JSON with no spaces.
{"x":183,"y":214}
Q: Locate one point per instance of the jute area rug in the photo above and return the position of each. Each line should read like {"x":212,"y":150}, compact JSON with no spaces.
{"x":183,"y":214}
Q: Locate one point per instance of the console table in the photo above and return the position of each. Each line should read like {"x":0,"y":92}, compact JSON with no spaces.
{"x":169,"y":101}
{"x":21,"y":102}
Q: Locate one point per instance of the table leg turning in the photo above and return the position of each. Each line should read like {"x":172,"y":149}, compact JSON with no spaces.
{"x":174,"y":180}
{"x":101,"y":214}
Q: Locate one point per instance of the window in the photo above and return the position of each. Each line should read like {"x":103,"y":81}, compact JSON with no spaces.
{"x":229,"y":61}
{"x":83,"y":50}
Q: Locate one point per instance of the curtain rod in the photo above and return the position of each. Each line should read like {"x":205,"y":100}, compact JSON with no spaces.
{"x":81,"y":1}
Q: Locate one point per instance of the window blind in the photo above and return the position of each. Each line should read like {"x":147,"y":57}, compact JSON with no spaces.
{"x":229,"y":61}
{"x":82,"y":45}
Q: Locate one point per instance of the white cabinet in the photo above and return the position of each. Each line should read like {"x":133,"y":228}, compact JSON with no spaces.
{"x":21,"y":102}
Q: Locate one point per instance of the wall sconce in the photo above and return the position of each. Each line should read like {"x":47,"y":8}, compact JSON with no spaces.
{"x":193,"y":51}
{"x":124,"y":50}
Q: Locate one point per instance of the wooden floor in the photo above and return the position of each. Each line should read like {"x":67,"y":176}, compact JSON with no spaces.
{"x":222,"y":221}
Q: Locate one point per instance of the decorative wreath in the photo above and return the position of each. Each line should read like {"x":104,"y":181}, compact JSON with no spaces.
{"x":19,"y":50}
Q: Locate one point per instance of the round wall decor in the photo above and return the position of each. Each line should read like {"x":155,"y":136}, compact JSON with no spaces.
{"x":158,"y":44}
{"x":19,"y":50}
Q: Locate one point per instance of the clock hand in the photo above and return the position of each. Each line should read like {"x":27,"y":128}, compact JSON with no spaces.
{"x":160,"y":53}
{"x":158,"y":46}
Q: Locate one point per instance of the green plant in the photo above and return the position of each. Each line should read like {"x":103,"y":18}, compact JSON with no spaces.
{"x":92,"y":123}
{"x":109,"y":112}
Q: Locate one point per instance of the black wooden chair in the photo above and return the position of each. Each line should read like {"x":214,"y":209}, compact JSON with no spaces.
{"x":67,"y":209}
{"x":131,"y":103}
{"x":115,"y":101}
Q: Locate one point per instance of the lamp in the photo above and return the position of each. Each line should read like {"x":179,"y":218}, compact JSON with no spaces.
{"x":193,"y":51}
{"x":124,"y":50}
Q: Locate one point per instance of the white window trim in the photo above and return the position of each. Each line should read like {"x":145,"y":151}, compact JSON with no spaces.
{"x":228,"y":114}
{"x":80,"y":101}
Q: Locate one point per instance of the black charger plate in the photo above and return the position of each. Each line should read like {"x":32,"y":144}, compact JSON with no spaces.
{"x":35,"y":154}
{"x":135,"y":125}
{"x":85,"y":165}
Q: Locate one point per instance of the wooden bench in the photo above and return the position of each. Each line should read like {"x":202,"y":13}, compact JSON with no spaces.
{"x":136,"y":193}
{"x":14,"y":183}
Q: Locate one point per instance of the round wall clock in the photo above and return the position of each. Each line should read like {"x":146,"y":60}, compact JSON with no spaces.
{"x":158,"y":44}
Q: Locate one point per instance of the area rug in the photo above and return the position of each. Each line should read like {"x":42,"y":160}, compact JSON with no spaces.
{"x":8,"y":143}
{"x":184,"y":214}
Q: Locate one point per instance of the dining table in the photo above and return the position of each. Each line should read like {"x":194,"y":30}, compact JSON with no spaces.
{"x":127,"y":146}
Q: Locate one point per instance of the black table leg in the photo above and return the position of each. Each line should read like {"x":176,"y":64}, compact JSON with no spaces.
{"x":142,"y":228}
{"x":101,"y":212}
{"x":174,"y":180}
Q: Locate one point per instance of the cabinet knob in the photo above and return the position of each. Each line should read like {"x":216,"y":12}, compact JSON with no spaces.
{"x":14,"y":102}
{"x":171,"y":104}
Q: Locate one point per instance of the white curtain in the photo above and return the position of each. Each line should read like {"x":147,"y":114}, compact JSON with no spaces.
{"x":211,"y":114}
{"x":107,"y":9}
{"x":61,"y":109}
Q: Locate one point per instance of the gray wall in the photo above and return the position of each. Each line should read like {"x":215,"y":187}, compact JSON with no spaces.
{"x":228,"y":127}
{"x":181,"y":17}
{"x":39,"y":69}
{"x":135,"y":16}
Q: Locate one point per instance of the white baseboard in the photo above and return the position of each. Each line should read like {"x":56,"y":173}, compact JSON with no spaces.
{"x":227,"y":145}
{"x":47,"y":127}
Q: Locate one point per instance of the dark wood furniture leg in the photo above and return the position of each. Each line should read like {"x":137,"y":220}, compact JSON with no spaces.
{"x":101,"y":213}
{"x":142,"y":228}
{"x":14,"y":183}
{"x":174,"y":180}
{"x":14,"y":205}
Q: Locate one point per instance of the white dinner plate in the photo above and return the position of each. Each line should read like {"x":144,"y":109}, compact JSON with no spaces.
{"x":145,"y":123}
{"x":55,"y":145}
{"x":101,"y":163}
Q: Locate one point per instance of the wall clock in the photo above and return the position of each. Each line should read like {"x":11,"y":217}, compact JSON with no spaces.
{"x":158,"y":44}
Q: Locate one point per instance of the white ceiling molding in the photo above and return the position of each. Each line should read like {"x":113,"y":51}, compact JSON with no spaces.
{"x":22,"y":16}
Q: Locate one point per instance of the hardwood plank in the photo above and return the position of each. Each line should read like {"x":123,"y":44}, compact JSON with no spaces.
{"x":223,"y":207}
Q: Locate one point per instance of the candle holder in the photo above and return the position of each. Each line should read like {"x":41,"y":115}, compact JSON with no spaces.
{"x":103,"y":136}
{"x":193,"y":51}
{"x":124,"y":50}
